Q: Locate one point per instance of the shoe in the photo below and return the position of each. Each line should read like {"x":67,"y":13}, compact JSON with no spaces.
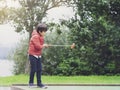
{"x":42,"y":86}
{"x":31,"y":85}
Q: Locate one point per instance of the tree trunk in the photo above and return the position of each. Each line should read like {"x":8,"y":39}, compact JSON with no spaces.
{"x":27,"y":66}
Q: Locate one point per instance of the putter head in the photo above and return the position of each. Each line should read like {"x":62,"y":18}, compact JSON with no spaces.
{"x":73,"y":46}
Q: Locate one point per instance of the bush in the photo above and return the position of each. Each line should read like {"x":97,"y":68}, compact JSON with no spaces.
{"x":20,"y":57}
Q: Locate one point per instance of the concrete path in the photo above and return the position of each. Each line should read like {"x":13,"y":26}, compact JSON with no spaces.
{"x":68,"y":88}
{"x":5,"y":88}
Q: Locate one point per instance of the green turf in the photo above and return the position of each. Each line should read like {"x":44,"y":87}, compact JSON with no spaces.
{"x":23,"y":79}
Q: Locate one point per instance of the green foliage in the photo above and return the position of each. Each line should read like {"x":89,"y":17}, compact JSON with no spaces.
{"x":53,"y":56}
{"x":4,"y":12}
{"x":32,"y":12}
{"x":95,"y":30}
{"x":25,"y":18}
{"x":96,"y":36}
{"x":73,"y":66}
{"x":115,"y":11}
{"x":20,"y":57}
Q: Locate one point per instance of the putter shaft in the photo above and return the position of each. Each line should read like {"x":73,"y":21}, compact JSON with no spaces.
{"x":59,"y":45}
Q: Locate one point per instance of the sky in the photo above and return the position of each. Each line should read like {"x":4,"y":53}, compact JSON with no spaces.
{"x":60,"y":13}
{"x":8,"y":35}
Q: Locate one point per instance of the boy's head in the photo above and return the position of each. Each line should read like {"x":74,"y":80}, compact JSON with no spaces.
{"x":41,"y":27}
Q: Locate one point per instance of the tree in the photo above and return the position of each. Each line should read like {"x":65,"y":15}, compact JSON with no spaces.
{"x":32,"y":12}
{"x":20,"y":56}
{"x":95,"y":30}
{"x":4,"y":10}
{"x":115,"y":12}
{"x":53,"y":56}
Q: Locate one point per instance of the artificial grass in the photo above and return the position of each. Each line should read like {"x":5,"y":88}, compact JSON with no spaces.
{"x":23,"y":79}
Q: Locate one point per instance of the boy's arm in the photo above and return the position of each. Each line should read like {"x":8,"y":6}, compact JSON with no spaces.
{"x":36,"y":43}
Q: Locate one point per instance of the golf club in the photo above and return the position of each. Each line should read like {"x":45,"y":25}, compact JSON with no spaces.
{"x":72,"y":46}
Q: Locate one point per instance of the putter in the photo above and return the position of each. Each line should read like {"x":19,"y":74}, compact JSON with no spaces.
{"x":72,"y":46}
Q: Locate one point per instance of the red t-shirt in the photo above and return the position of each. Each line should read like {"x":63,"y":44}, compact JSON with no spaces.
{"x":36,"y":44}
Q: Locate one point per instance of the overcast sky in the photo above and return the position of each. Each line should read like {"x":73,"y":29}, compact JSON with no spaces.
{"x":8,"y":35}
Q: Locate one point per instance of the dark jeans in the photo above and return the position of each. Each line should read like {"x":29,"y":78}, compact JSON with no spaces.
{"x":35,"y":67}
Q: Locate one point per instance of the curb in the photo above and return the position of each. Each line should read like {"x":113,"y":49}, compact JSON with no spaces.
{"x":18,"y":86}
{"x":72,"y":84}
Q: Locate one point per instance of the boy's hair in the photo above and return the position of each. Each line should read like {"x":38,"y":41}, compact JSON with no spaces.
{"x":41,"y":27}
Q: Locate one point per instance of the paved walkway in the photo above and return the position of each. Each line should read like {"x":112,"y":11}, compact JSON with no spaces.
{"x":4,"y":88}
{"x":68,"y":88}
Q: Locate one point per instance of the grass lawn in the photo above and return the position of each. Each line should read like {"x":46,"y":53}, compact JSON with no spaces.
{"x":23,"y":79}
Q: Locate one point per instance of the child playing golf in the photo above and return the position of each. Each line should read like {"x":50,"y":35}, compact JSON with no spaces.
{"x":36,"y":45}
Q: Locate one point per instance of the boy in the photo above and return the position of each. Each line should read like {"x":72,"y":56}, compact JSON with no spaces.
{"x":36,"y":45}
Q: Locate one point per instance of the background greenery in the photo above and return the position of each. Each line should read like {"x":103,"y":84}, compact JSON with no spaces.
{"x":95,"y":29}
{"x":96,"y":33}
